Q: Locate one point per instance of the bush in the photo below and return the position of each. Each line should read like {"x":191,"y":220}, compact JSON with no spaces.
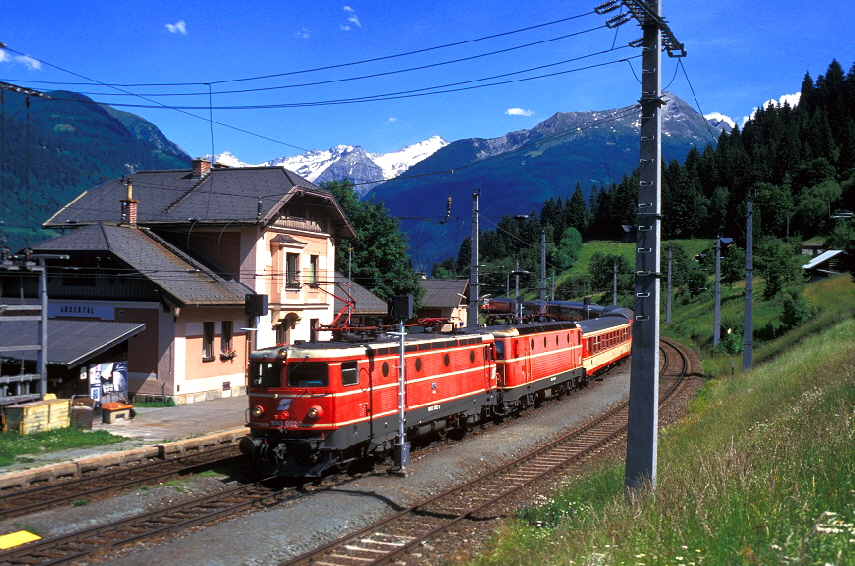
{"x":796,"y":310}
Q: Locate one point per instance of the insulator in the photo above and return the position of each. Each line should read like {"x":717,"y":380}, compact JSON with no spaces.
{"x":607,"y":7}
{"x":618,"y":21}
{"x":447,"y":211}
{"x":637,"y":42}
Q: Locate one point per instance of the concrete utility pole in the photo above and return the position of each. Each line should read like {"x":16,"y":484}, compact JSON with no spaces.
{"x":542,"y":270}
{"x":748,"y":327}
{"x":614,"y":283}
{"x":716,"y":337}
{"x":473,"y":272}
{"x":641,"y":447}
{"x":668,"y":300}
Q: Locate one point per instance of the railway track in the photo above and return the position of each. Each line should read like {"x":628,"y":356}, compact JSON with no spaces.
{"x":388,"y":541}
{"x":20,"y":502}
{"x":403,"y":535}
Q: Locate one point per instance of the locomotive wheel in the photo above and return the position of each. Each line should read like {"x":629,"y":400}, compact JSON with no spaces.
{"x":441,"y":433}
{"x":457,"y":433}
{"x":361,"y":466}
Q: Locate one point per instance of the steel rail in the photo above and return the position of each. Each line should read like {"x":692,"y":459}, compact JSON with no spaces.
{"x":69,"y":548}
{"x":357,"y":544}
{"x":30,"y":500}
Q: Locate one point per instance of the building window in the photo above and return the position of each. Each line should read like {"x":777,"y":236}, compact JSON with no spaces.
{"x":292,"y":271}
{"x":314,"y":270}
{"x":226,"y":336}
{"x":282,"y":332}
{"x":207,"y":341}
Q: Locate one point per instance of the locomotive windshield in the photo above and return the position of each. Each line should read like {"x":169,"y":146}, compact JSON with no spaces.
{"x":266,"y":374}
{"x":307,"y":374}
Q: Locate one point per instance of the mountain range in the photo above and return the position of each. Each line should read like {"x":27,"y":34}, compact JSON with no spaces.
{"x":83,"y":144}
{"x":516,"y":173}
{"x":366,"y":170}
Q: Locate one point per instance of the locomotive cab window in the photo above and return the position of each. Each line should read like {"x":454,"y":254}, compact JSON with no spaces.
{"x":307,"y":374}
{"x":500,"y":350}
{"x":349,"y":374}
{"x":266,"y":374}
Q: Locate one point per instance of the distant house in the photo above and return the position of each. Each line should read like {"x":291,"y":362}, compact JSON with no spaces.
{"x":826,"y":264}
{"x":445,"y":298}
{"x":180,"y":251}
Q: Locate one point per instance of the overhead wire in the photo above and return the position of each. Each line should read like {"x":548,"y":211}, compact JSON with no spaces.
{"x":411,"y":93}
{"x":370,"y":76}
{"x":335,"y":66}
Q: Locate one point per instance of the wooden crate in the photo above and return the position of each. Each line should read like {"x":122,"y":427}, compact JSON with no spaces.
{"x":38,"y":416}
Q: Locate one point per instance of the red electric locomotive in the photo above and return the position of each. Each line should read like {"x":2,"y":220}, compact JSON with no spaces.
{"x":316,"y":407}
{"x":321,"y":405}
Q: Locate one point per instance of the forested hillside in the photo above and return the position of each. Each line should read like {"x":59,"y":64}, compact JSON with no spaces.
{"x":797,"y":163}
{"x":55,"y":148}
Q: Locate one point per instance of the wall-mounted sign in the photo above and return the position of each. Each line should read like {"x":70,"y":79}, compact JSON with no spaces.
{"x":80,"y":310}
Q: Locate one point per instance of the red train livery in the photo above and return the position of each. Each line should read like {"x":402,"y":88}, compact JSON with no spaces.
{"x":316,"y":407}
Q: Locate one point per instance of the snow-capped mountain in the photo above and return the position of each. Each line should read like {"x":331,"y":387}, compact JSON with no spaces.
{"x":228,"y":159}
{"x":396,"y":162}
{"x":366,"y":170}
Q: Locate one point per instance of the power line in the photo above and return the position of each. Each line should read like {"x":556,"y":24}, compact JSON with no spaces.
{"x":329,"y":67}
{"x":412,"y":93}
{"x":373,"y":75}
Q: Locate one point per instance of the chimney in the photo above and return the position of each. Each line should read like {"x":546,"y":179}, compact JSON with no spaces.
{"x":129,"y":208}
{"x":200,"y":167}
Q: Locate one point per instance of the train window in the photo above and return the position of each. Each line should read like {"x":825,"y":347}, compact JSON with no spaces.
{"x":500,"y":350}
{"x":425,"y":346}
{"x":472,"y":356}
{"x":418,"y":364}
{"x":266,"y":374}
{"x":446,"y":359}
{"x":385,"y":369}
{"x":307,"y":374}
{"x":349,"y":374}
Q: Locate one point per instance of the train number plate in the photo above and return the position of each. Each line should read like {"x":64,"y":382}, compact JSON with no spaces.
{"x":284,"y":423}
{"x":433,"y":408}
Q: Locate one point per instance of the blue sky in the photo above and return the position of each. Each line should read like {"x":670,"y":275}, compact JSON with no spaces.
{"x":740,"y":54}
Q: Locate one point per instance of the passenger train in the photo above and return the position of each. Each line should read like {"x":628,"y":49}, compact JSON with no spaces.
{"x":316,"y":407}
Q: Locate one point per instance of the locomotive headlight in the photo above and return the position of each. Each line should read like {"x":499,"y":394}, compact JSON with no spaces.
{"x":257,"y":411}
{"x":315,"y":412}
{"x":282,"y":353}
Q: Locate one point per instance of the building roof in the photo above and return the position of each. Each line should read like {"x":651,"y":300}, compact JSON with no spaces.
{"x":444,"y":293}
{"x":821,"y":258}
{"x":186,"y":281}
{"x":70,"y":342}
{"x":367,"y":303}
{"x":245,"y":195}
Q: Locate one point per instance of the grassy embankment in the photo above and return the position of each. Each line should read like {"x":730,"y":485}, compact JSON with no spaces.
{"x":760,"y":472}
{"x":14,"y":447}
